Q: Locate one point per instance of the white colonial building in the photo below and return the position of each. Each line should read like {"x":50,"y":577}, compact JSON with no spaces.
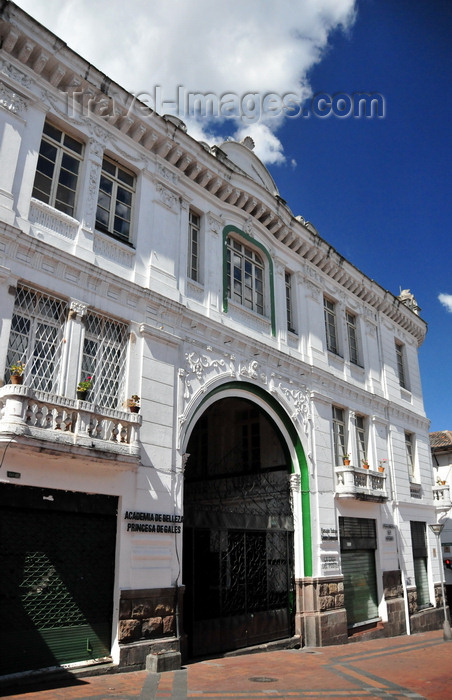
{"x":226,"y":513}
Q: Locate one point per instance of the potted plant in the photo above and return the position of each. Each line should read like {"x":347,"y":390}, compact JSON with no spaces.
{"x":133,"y":404}
{"x":17,"y":372}
{"x":346,"y":459}
{"x":440,"y":482}
{"x":365,"y":463}
{"x":83,"y":387}
{"x":381,"y":464}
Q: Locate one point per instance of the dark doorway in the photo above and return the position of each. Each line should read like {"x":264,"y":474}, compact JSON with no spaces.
{"x":238,"y":531}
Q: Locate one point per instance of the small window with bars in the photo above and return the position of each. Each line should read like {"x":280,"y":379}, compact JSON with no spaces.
{"x":57,"y":171}
{"x":361,"y":439}
{"x":245,"y":273}
{"x":36,"y":338}
{"x":194,"y":226}
{"x":104,"y":359}
{"x":409,"y":451}
{"x":401,"y":368}
{"x":339,"y":438}
{"x":114,"y":204}
{"x":352,"y":337}
{"x":289,"y":302}
{"x":329,"y":309}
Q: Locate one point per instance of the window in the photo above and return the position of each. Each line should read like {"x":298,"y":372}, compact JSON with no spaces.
{"x":352,"y":337}
{"x":194,"y":224}
{"x":289,"y":309}
{"x":57,"y":170}
{"x":245,"y":271}
{"x":36,"y":337}
{"x":361,"y":439}
{"x":338,"y":434}
{"x":419,"y":545}
{"x":409,"y":450}
{"x":114,"y":206}
{"x":329,"y":308}
{"x":401,"y":371}
{"x":104,"y":356}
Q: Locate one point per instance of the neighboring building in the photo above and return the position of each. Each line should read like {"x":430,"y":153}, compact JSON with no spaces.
{"x":441,"y":445}
{"x":222,"y":515}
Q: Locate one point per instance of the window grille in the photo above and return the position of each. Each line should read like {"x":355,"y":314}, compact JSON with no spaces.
{"x":114,"y":205}
{"x":104,"y":359}
{"x":409,"y":451}
{"x":329,"y":308}
{"x":338,"y":434}
{"x":57,"y":170}
{"x":289,"y":305}
{"x":245,"y":272}
{"x":36,"y":337}
{"x":352,"y":336}
{"x":361,"y":438}
{"x":401,"y":371}
{"x":194,"y":224}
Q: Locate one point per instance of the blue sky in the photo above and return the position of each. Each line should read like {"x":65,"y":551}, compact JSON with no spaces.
{"x":376,"y":189}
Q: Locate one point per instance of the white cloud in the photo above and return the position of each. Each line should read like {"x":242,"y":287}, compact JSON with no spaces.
{"x":446,"y":300}
{"x":250,"y":47}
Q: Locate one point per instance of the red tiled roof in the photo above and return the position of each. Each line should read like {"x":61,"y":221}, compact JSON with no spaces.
{"x":441,"y":439}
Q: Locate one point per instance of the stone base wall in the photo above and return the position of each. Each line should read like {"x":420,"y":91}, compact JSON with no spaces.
{"x":148,"y":623}
{"x":321,"y":618}
{"x":395,"y":604}
{"x":396,"y":624}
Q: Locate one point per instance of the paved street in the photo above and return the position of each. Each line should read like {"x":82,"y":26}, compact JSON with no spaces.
{"x":413,"y":667}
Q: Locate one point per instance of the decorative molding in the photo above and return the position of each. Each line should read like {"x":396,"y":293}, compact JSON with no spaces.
{"x":199,"y":366}
{"x":77,"y":308}
{"x":167,"y":197}
{"x":299,"y":400}
{"x":44,"y":216}
{"x":12,"y":101}
{"x":113,"y":251}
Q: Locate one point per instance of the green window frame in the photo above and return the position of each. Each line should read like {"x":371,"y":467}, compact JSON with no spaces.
{"x":268,"y":276}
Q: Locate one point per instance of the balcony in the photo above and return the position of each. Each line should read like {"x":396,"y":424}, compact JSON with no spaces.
{"x":441,"y":497}
{"x":361,"y":484}
{"x":64,"y":424}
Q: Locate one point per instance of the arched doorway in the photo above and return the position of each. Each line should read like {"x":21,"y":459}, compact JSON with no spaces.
{"x":238,"y":530}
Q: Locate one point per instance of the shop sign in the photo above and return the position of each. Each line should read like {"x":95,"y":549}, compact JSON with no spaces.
{"x":161,"y":523}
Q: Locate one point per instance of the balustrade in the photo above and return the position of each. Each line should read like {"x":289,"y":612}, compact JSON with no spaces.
{"x":62,"y":420}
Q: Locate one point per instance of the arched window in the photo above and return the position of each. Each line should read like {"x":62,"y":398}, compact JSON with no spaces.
{"x":245,"y":275}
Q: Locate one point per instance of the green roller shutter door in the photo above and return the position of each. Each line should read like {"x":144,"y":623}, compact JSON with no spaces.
{"x":57,"y":559}
{"x":360,"y":587}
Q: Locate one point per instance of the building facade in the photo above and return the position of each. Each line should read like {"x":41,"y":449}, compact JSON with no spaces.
{"x":276,"y":483}
{"x":441,"y":446}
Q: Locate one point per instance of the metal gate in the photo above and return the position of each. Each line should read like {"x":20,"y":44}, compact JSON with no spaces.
{"x":238,"y":562}
{"x":57,"y":554}
{"x":241,"y":592}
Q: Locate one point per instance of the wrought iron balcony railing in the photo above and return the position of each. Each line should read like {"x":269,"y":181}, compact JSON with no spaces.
{"x":359,"y":483}
{"x":62,"y":421}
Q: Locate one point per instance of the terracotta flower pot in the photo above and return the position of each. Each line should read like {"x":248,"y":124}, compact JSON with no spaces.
{"x":346,"y":462}
{"x":134,"y":409}
{"x":381,"y":469}
{"x":16,"y":379}
{"x":365,"y":466}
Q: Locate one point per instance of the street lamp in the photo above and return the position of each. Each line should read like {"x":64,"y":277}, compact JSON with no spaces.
{"x":437,"y":529}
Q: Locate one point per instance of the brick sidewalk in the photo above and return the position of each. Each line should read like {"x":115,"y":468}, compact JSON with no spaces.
{"x":413,"y":667}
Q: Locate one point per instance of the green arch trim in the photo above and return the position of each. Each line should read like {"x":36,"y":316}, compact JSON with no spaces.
{"x":233,"y":229}
{"x":298,"y":447}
